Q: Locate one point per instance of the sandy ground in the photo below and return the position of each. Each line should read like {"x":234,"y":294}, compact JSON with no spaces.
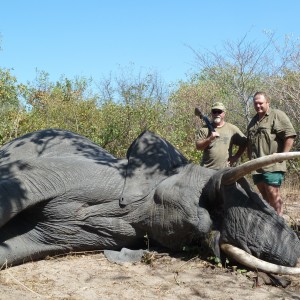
{"x":91,"y":276}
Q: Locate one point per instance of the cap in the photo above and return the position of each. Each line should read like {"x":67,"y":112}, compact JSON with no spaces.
{"x":218,"y":105}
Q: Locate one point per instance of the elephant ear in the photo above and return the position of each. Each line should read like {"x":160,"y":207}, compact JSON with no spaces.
{"x":150,"y":160}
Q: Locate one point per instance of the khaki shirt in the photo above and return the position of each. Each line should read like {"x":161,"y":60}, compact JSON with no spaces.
{"x":267,"y":136}
{"x":216,"y":154}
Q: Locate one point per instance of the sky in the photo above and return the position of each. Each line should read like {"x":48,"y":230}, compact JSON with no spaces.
{"x":94,"y":38}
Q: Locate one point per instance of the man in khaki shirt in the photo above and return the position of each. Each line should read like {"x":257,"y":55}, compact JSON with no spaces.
{"x":218,"y":145}
{"x":270,"y":131}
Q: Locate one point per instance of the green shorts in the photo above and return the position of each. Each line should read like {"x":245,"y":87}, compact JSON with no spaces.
{"x":270,"y":178}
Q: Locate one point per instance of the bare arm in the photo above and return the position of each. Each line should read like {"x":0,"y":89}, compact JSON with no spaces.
{"x":288,"y":144}
{"x":202,"y":144}
{"x":237,"y":155}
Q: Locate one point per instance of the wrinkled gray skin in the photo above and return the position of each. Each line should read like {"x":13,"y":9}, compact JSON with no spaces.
{"x":60,"y":192}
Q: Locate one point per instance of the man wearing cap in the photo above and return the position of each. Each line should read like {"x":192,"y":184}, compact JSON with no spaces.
{"x":270,"y":131}
{"x":218,"y":145}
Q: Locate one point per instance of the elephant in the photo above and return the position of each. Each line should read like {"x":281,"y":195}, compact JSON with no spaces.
{"x":60,"y":193}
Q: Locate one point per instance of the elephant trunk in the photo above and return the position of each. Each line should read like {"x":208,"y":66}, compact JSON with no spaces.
{"x":253,"y":262}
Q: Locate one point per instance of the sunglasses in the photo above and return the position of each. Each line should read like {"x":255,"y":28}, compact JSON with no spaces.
{"x":217,"y":111}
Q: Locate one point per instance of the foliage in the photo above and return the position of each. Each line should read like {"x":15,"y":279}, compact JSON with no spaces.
{"x":130,"y":104}
{"x":238,"y":71}
{"x":133,"y":101}
{"x":9,"y":90}
{"x":233,"y":74}
{"x":11,"y":110}
{"x":61,"y":105}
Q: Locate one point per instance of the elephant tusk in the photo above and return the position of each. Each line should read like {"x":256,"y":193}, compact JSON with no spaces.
{"x":233,"y":174}
{"x":253,"y":262}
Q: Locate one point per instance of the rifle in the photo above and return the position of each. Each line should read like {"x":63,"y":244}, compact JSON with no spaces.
{"x":204,"y":118}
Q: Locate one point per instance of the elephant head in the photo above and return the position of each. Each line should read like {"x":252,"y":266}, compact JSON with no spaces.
{"x":189,"y":201}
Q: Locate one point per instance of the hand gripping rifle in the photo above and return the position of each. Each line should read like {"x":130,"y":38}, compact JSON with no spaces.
{"x":204,"y":118}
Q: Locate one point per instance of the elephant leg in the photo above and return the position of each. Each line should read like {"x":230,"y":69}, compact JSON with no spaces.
{"x":20,"y":249}
{"x":22,"y":241}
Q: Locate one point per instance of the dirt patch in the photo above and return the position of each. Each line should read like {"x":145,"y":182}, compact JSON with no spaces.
{"x":92,"y":276}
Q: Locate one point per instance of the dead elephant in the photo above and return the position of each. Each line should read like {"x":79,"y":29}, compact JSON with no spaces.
{"x":60,"y":192}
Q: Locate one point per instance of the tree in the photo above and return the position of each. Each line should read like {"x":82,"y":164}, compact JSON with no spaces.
{"x":11,"y":109}
{"x":234,"y":73}
{"x":130,"y":102}
{"x":239,"y":69}
{"x":67,"y":104}
{"x":284,"y":87}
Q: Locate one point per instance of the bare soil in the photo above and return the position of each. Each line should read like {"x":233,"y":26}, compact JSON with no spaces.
{"x":162,"y":276}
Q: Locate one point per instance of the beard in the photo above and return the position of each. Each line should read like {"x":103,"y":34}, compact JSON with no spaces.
{"x":217,"y":120}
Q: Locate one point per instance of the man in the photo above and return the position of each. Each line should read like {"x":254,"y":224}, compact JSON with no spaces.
{"x":218,"y":145}
{"x":270,"y":131}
